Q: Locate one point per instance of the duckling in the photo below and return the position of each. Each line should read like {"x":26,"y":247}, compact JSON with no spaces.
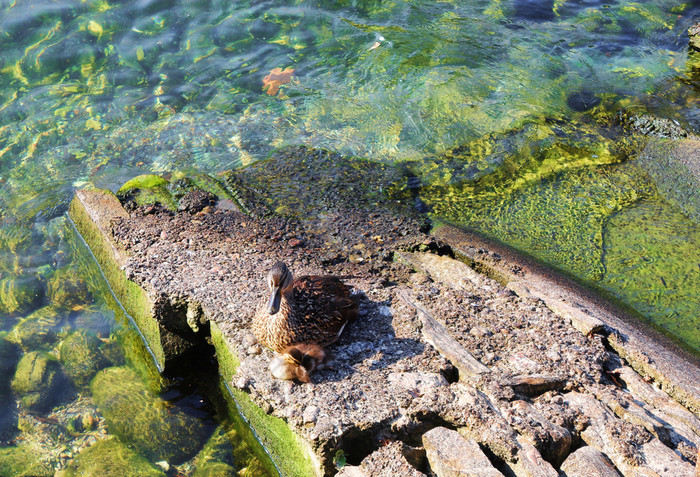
{"x":310,"y":309}
{"x":298,"y":362}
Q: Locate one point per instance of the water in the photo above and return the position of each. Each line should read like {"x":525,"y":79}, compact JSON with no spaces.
{"x":506,"y":111}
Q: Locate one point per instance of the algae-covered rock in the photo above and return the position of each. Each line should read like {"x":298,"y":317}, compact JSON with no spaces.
{"x":39,"y":330}
{"x":67,"y":288}
{"x":216,"y":457}
{"x":81,"y":357}
{"x":23,"y":461}
{"x":114,"y":353}
{"x":9,"y":356}
{"x":99,"y":321}
{"x":109,"y":458}
{"x":138,"y":417}
{"x":147,"y":189}
{"x":37,"y":380}
{"x":20,"y":294}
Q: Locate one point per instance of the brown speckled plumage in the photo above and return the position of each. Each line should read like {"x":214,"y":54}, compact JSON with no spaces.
{"x":309,"y":309}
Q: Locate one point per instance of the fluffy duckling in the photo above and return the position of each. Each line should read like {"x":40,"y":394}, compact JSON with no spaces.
{"x":298,"y":362}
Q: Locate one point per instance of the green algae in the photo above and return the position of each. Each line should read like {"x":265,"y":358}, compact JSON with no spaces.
{"x":137,"y":416}
{"x":37,"y":381}
{"x":216,"y":457}
{"x":559,"y":218}
{"x":579,"y":207}
{"x":288,"y":451}
{"x":23,"y":461}
{"x":132,"y":297}
{"x":221,"y":455}
{"x":657,"y":279}
{"x":147,"y":189}
{"x":81,"y":357}
{"x":111,"y":458}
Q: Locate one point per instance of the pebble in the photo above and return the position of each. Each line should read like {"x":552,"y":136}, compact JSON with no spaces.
{"x":310,"y":414}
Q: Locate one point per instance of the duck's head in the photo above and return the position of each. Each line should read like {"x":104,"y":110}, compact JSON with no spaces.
{"x":278,"y":279}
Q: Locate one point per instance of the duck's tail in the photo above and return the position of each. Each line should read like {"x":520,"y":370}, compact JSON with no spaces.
{"x":298,"y":361}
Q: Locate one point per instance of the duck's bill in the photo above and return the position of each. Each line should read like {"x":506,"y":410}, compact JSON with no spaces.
{"x":275,"y":298}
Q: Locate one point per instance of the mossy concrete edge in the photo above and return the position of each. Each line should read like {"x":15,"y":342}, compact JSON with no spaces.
{"x":292,"y":455}
{"x":133,"y":298}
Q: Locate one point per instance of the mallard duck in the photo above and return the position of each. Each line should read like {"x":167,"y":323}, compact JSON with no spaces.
{"x":310,"y":309}
{"x":298,"y":362}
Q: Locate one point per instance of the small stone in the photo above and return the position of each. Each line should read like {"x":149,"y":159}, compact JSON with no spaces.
{"x":163,"y":465}
{"x":243,"y":382}
{"x":310,"y":414}
{"x":450,"y":454}
{"x":296,"y":242}
{"x":254,"y":350}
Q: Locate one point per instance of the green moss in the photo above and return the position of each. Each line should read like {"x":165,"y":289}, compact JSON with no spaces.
{"x":136,"y":415}
{"x":111,"y":458}
{"x":133,"y":298}
{"x":148,"y":189}
{"x":23,"y":461}
{"x":291,"y":454}
{"x":81,"y":357}
{"x":37,"y":380}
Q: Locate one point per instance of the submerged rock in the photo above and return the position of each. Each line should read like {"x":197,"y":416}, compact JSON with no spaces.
{"x":81,"y":357}
{"x":37,"y":380}
{"x":20,"y":294}
{"x":138,"y":417}
{"x":23,"y":461}
{"x":216,"y":457}
{"x":111,"y":457}
{"x":67,"y":288}
{"x":39,"y":330}
{"x":582,"y":101}
{"x":9,"y":355}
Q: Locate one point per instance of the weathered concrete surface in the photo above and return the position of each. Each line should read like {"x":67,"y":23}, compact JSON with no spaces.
{"x":650,"y":353}
{"x":451,"y":455}
{"x":391,"y":459}
{"x":588,"y":462}
{"x":385,"y":383}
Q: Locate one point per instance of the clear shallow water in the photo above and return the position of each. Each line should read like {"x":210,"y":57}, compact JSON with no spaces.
{"x":503,"y":109}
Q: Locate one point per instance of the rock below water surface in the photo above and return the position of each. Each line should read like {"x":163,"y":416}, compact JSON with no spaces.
{"x":138,"y":417}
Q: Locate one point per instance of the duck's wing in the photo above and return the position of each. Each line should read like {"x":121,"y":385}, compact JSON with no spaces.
{"x":327,"y":303}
